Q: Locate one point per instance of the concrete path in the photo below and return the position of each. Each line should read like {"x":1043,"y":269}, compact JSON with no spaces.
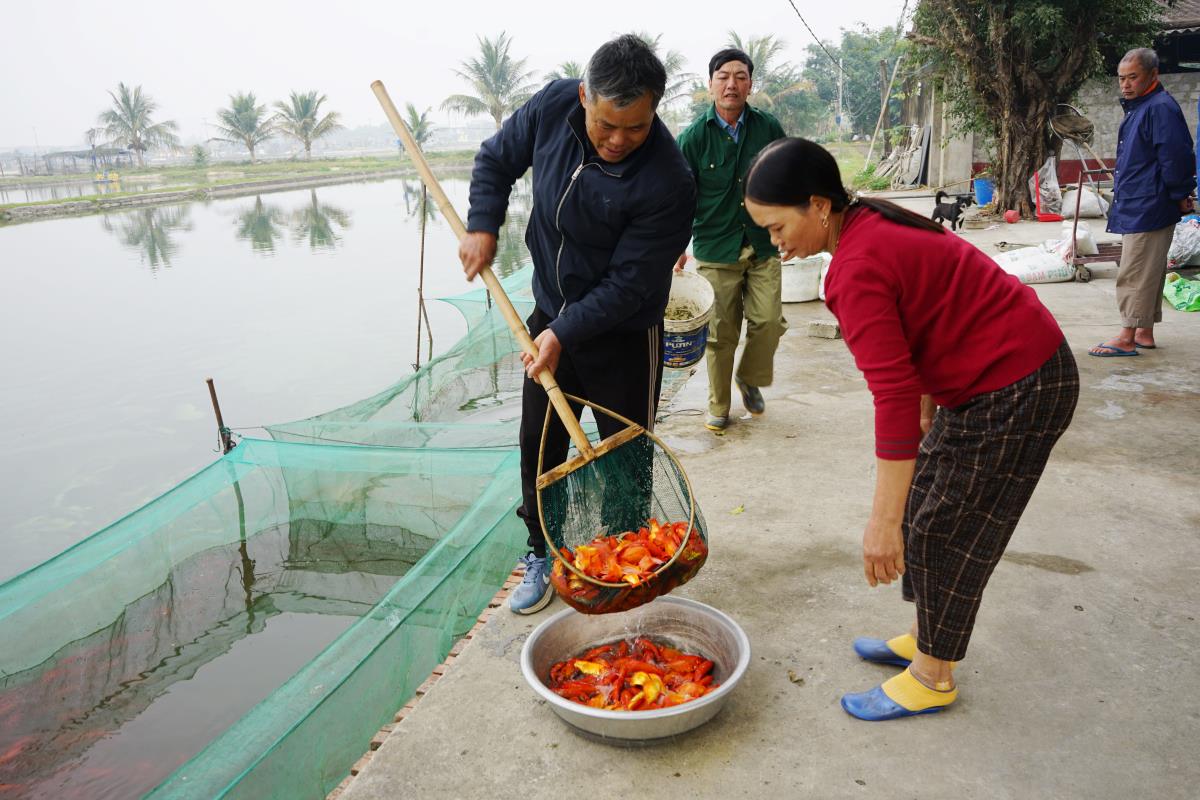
{"x":1082,"y":677}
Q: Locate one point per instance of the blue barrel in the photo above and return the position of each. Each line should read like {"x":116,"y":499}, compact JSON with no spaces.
{"x":984,"y":190}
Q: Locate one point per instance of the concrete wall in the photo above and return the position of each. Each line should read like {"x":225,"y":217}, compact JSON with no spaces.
{"x":1099,"y":101}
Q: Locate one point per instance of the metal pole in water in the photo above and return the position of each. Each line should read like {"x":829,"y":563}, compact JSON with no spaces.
{"x":222,"y":432}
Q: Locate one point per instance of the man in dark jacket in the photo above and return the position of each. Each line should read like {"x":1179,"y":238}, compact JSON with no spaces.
{"x":1152,"y":190}
{"x":612,"y":209}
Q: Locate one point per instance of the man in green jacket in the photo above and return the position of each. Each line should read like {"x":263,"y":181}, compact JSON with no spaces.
{"x":733,"y":253}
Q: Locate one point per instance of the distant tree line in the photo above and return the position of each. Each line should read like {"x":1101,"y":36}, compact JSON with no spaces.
{"x":130,"y":122}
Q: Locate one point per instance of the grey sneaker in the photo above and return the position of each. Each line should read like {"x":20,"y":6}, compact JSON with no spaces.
{"x":535,"y":591}
{"x":752,"y":398}
{"x":715,"y":423}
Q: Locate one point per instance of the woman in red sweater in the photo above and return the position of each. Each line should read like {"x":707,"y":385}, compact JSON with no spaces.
{"x":930,"y":320}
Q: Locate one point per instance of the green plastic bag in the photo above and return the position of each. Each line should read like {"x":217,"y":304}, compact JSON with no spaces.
{"x":1182,"y":293}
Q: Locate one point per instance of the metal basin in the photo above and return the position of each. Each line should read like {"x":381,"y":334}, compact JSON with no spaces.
{"x":685,"y":624}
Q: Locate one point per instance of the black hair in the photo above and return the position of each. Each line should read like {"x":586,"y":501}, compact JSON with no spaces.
{"x":725,"y":56}
{"x":623,"y":70}
{"x":789,"y":172}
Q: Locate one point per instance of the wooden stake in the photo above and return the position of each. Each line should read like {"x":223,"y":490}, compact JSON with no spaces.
{"x":222,"y":432}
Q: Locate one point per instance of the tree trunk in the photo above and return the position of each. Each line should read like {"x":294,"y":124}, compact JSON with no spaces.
{"x":251,"y":149}
{"x":1021,"y":149}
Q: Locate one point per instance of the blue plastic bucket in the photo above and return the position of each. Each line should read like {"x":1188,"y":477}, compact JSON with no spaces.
{"x":984,"y":189}
{"x":685,"y":327}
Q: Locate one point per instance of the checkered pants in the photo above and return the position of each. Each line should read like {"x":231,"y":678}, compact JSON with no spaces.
{"x":976,"y":470}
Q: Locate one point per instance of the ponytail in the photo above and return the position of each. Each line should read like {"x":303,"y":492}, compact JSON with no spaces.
{"x":788,"y":172}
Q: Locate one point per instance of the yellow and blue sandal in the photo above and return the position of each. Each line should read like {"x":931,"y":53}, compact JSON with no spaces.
{"x":901,"y":696}
{"x":899,"y":650}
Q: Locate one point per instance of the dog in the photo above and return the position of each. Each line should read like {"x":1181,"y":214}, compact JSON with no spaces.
{"x":950,"y":211}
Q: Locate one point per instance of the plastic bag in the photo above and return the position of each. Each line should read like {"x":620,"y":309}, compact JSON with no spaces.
{"x":1186,"y":243}
{"x":1046,"y":181}
{"x":1035,"y":265}
{"x":1091,"y":206}
{"x":1182,"y":293}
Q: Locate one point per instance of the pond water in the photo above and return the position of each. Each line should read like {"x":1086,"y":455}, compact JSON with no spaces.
{"x":294,"y":303}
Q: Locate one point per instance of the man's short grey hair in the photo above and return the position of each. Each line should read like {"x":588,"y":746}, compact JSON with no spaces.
{"x":1144,"y":56}
{"x":622,"y":71}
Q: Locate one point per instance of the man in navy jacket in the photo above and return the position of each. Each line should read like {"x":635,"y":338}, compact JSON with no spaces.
{"x":1153,"y":188}
{"x":613,"y":201}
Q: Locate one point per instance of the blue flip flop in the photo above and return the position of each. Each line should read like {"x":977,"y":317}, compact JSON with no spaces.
{"x":1108,"y":351}
{"x":877,"y":650}
{"x":876,"y":706}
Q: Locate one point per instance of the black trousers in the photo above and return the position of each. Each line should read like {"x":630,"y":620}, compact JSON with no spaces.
{"x":620,"y":370}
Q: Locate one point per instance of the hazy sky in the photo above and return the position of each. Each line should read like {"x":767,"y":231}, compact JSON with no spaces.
{"x":61,"y":58}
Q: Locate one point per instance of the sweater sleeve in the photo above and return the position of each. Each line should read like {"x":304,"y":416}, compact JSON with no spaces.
{"x":869,"y":316}
{"x":501,"y":160}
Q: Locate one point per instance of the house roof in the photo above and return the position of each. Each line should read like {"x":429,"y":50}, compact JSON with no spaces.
{"x":1180,"y":15}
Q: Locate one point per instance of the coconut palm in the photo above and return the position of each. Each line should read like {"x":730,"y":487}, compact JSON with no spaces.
{"x":678,"y":81}
{"x":317,"y":223}
{"x":774,"y":81}
{"x":301,"y":119}
{"x":567,"y":69}
{"x":419,"y":124}
{"x":150,"y":231}
{"x":130,"y":122}
{"x":501,"y":83}
{"x":244,"y":121}
{"x":260,"y":226}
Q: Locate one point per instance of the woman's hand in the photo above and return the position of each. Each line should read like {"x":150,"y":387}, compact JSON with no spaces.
{"x":883,"y":540}
{"x":883,"y":552}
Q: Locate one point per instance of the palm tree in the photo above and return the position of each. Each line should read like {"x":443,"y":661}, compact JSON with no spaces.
{"x":260,"y":226}
{"x":129,"y":122}
{"x":150,"y":231}
{"x":301,"y":119}
{"x":419,"y":124}
{"x":501,"y":83}
{"x":567,"y":69}
{"x":244,"y":121}
{"x":678,"y":81}
{"x":317,"y":223}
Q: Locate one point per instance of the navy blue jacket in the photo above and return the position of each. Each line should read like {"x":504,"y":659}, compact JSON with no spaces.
{"x":604,"y":237}
{"x":1155,"y":164}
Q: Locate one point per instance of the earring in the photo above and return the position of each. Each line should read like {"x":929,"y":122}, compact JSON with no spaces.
{"x":824,"y":222}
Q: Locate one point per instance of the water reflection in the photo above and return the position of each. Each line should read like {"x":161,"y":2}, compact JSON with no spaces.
{"x":319,"y":224}
{"x":413,"y":201}
{"x":261,"y":226}
{"x":510,"y":245}
{"x":150,"y":231}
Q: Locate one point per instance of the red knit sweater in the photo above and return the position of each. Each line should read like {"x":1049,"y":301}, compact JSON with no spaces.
{"x":928,"y":313}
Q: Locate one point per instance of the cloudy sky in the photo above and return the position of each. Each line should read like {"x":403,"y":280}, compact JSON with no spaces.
{"x":61,"y":58}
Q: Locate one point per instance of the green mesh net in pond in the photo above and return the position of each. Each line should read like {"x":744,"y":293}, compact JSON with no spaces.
{"x":246,"y":633}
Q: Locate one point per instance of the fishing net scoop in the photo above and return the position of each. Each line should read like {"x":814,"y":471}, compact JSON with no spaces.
{"x":627,"y":481}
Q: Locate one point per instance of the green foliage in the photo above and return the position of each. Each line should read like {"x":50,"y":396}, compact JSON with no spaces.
{"x":301,"y":119}
{"x":567,"y":69}
{"x":244,"y":122}
{"x":419,"y":124}
{"x":199,"y":156}
{"x":867,"y":180}
{"x":860,"y":51}
{"x":500,"y":82}
{"x":130,"y":122}
{"x":1004,"y":67}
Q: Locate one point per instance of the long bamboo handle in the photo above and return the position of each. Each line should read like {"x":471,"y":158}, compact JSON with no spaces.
{"x":515,"y":323}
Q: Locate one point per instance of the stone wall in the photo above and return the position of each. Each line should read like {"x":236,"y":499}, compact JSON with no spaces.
{"x":1099,"y":101}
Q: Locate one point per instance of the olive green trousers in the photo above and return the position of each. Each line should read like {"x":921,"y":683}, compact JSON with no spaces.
{"x":749,"y":290}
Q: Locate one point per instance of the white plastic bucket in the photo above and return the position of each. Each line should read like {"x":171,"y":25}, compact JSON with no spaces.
{"x":801,"y":279}
{"x":691,"y":300}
